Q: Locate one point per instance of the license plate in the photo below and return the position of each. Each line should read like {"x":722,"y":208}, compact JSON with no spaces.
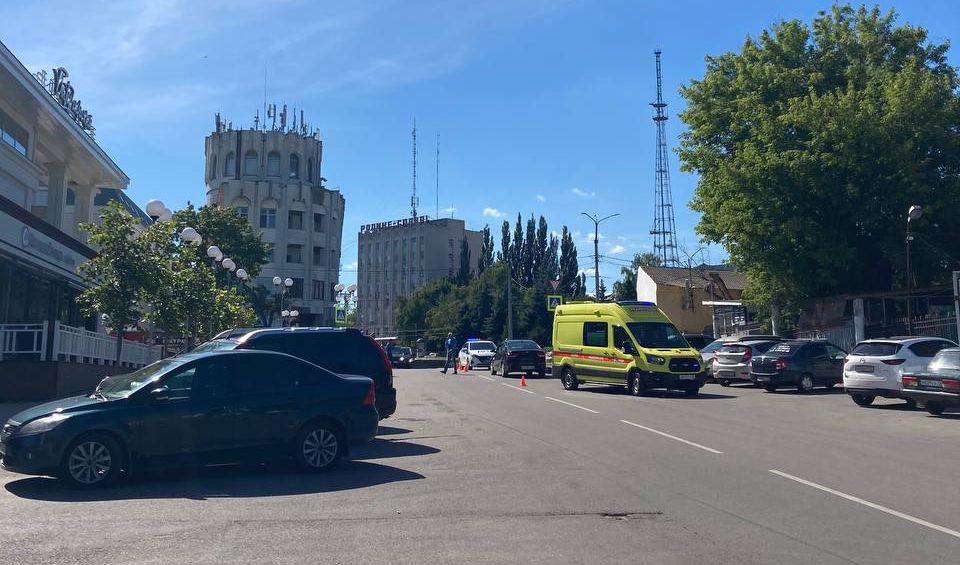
{"x":527,"y":367}
{"x":763,"y":379}
{"x":725,"y":374}
{"x":864,"y":368}
{"x":931,"y":384}
{"x":687,"y":377}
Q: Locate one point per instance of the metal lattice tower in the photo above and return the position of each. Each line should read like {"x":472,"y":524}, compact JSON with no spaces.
{"x":413,"y":198}
{"x":664,"y":230}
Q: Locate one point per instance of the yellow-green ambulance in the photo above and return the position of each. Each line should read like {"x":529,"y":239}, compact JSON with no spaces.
{"x":627,"y":343}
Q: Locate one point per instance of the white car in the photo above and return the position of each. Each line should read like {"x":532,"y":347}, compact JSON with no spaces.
{"x":476,"y":353}
{"x":875,"y":366}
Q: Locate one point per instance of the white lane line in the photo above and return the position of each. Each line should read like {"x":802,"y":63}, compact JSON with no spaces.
{"x":517,"y":388}
{"x":570,"y":404}
{"x":486,"y":377}
{"x":680,"y":439}
{"x":869,"y":504}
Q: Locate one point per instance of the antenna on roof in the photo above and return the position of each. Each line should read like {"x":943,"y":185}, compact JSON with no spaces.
{"x":438,"y":175}
{"x":413,"y":197}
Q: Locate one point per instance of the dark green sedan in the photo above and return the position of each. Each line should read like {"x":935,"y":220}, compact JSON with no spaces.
{"x":204,"y":408}
{"x":937,"y":388}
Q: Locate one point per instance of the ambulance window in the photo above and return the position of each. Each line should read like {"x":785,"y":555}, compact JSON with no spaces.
{"x":620,"y":336}
{"x":595,"y":334}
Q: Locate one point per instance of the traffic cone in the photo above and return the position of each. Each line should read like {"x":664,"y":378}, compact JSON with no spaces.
{"x":523,"y":380}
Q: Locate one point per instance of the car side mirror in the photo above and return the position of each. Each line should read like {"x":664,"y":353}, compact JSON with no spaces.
{"x":160,"y":394}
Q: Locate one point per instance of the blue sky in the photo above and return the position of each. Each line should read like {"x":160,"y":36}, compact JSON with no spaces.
{"x":542,"y":107}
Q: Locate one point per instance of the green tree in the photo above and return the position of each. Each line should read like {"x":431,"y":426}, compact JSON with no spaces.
{"x":233,"y":234}
{"x":626,"y":287}
{"x":602,"y":291}
{"x":486,"y":250}
{"x":265,"y":304}
{"x":810,"y":144}
{"x":504,"y":253}
{"x":122,"y":273}
{"x":569,"y":268}
{"x":516,"y":250}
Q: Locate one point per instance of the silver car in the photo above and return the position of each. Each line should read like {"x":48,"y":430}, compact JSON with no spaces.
{"x":732,"y":361}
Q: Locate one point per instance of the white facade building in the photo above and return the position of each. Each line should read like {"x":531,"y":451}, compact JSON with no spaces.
{"x":271,"y":176}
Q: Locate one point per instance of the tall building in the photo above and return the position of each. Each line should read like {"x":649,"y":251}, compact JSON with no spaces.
{"x":395,"y":258}
{"x":271,"y":176}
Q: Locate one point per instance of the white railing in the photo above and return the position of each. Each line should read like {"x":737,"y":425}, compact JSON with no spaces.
{"x":83,"y":346}
{"x":23,"y":341}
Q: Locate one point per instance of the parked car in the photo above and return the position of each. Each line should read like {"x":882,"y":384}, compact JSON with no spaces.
{"x":477,"y":353}
{"x":698,"y":341}
{"x":707,"y":355}
{"x":401,"y":356}
{"x":937,"y":387}
{"x":344,"y":351}
{"x":519,"y":356}
{"x":732,"y":361}
{"x":875,"y":366}
{"x":219,"y":407}
{"x":798,"y":363}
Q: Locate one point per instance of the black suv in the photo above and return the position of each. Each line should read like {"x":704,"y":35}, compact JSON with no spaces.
{"x":344,"y":351}
{"x":799,"y":364}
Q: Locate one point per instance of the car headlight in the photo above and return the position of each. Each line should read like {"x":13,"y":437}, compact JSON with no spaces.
{"x":42,"y":425}
{"x":655,"y":359}
{"x":402,"y":359}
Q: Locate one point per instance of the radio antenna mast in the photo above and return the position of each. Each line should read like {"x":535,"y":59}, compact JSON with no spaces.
{"x":413,"y":197}
{"x":438,"y":175}
{"x":664,"y":231}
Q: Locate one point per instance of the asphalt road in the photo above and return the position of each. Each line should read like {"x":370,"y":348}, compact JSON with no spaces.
{"x":474,"y":469}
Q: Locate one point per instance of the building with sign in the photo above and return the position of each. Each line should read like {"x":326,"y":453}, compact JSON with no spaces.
{"x":52,"y":174}
{"x":701,"y":299}
{"x":270,"y":174}
{"x":397,"y":257}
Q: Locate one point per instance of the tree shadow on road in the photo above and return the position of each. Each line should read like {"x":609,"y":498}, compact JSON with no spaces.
{"x":218,"y":482}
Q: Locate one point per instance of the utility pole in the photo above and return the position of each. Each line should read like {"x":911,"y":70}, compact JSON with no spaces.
{"x":913,"y":213}
{"x":509,"y":300}
{"x":596,"y":252}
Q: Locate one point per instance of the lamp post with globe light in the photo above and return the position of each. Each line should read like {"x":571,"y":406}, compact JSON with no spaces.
{"x":913,"y":214}
{"x":282,"y":286}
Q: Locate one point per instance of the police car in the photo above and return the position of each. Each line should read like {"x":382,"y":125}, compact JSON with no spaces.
{"x":477,"y":353}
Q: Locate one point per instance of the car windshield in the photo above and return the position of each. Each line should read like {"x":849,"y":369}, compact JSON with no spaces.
{"x":876,"y":348}
{"x":785,"y":349}
{"x":402,"y":351}
{"x":713,"y":346}
{"x":482,"y":346}
{"x":946,"y":360}
{"x":122,"y":386}
{"x":522,"y":344}
{"x":657,"y":335}
{"x":216,"y":345}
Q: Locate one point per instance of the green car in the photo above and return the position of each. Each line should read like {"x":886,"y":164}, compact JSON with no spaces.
{"x":204,"y":408}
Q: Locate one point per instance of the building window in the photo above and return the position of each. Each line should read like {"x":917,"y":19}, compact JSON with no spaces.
{"x":294,"y":166}
{"x":296,"y":291}
{"x":318,"y":288}
{"x":310,"y":169}
{"x":269,"y":252}
{"x":251,"y":165}
{"x":12,"y":134}
{"x":268,"y":218}
{"x":230,"y":165}
{"x":295,"y":253}
{"x":273,"y":164}
{"x":295,"y":220}
{"x":243,"y":212}
{"x":319,"y":257}
{"x":317,"y":222}
{"x":213,"y":167}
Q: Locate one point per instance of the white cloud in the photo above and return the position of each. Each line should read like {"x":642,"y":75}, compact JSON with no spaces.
{"x":582,"y":193}
{"x":601,"y":237}
{"x":350,"y":266}
{"x":449,"y":210}
{"x":617,"y":249}
{"x":541,"y":198}
{"x":493,"y":213}
{"x":589,"y":272}
{"x":622,"y":238}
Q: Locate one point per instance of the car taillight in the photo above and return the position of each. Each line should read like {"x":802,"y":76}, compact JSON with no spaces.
{"x":747,"y":354}
{"x":951,"y":384}
{"x":909,"y":380}
{"x":371,"y":398}
{"x":510,"y":354}
{"x":893,"y":361}
{"x":385,"y":359}
{"x":780,"y":364}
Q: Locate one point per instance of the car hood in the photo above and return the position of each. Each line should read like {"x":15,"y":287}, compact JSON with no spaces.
{"x":482,"y":353}
{"x":71,"y":404}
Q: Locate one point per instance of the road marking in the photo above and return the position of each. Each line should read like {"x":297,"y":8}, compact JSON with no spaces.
{"x":680,"y":439}
{"x":486,"y":377}
{"x":517,"y":388}
{"x":570,"y":404}
{"x":869,"y":504}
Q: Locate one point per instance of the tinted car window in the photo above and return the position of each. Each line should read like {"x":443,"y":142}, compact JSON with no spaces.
{"x":785,"y":349}
{"x":817,"y":351}
{"x":657,"y":334}
{"x":763,"y":347}
{"x":213,"y":377}
{"x":266,"y":374}
{"x":620,"y":337}
{"x":712,"y":346}
{"x":928,"y":348}
{"x":595,"y":334}
{"x":215,"y":345}
{"x":876,"y":349}
{"x":946,"y":360}
{"x":521,"y":344}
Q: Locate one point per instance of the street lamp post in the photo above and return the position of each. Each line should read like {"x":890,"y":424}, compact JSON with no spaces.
{"x":913,"y":213}
{"x":282,"y":286}
{"x":596,"y":252}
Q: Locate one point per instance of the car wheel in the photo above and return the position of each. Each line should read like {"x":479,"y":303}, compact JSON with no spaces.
{"x":724,"y":382}
{"x":692,"y":390}
{"x":569,"y":379}
{"x":829,"y":385}
{"x":636,"y":385}
{"x":92,"y":460}
{"x":319,"y":447}
{"x":542,"y":375}
{"x":911,"y":403}
{"x":805,"y":384}
{"x":862,"y":399}
{"x":936,"y":408}
{"x":770,"y":388}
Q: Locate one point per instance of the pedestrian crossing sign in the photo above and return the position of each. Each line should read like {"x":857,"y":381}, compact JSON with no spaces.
{"x":553,"y":301}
